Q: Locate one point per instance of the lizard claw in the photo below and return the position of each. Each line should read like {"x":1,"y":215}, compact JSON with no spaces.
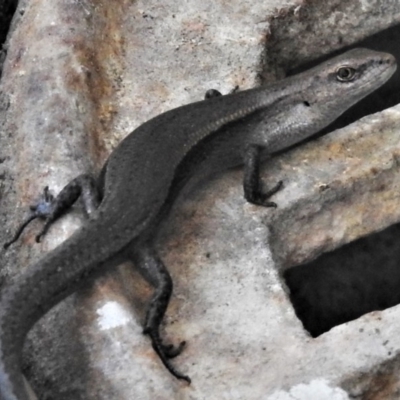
{"x":171,"y":351}
{"x":262,"y":199}
{"x":42,"y":209}
{"x":274,"y":189}
{"x":264,"y":202}
{"x":166,"y":352}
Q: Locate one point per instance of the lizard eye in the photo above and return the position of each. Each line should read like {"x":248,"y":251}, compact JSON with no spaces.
{"x":345,"y":74}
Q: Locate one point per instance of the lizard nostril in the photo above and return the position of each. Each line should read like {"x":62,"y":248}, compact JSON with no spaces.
{"x":385,"y":60}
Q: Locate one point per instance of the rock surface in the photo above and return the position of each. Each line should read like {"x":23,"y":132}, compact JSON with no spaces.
{"x":78,"y":77}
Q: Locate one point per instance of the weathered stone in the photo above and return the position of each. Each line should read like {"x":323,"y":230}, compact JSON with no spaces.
{"x":342,"y":186}
{"x":78,"y":77}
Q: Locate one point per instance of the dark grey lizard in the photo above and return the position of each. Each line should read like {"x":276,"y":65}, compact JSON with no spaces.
{"x":146,"y":172}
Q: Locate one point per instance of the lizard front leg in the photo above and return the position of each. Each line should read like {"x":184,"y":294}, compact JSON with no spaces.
{"x":50,"y":208}
{"x":154,"y":271}
{"x":252,"y":183}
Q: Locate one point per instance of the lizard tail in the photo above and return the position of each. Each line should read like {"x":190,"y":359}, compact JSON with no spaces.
{"x":30,"y":294}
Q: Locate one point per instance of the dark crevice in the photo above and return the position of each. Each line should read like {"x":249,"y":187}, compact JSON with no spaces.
{"x":364,"y":275}
{"x":7,"y":10}
{"x":344,"y":284}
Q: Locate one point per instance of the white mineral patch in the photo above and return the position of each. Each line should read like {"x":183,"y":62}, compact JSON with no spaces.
{"x":112,"y":315}
{"x":317,"y":389}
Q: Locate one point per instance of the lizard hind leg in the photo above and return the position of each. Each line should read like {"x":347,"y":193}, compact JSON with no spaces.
{"x":50,"y":208}
{"x":154,"y":271}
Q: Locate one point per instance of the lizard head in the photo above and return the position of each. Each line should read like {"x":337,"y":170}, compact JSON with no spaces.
{"x":340,"y":82}
{"x":308,"y":102}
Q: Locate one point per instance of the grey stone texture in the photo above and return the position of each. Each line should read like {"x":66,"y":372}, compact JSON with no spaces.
{"x":78,"y":77}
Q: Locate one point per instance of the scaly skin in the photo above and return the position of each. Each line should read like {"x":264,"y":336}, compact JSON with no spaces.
{"x":148,"y":169}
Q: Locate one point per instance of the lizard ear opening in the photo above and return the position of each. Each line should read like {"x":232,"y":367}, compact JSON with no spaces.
{"x":306,"y":103}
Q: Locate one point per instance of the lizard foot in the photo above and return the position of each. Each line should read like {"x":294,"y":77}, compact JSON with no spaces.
{"x":42,"y":209}
{"x":274,"y":189}
{"x":261,"y":199}
{"x":166,"y":352}
{"x":172,"y":351}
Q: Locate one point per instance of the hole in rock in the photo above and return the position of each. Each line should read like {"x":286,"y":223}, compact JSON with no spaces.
{"x":364,"y":275}
{"x":344,"y":284}
{"x":7,"y":10}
